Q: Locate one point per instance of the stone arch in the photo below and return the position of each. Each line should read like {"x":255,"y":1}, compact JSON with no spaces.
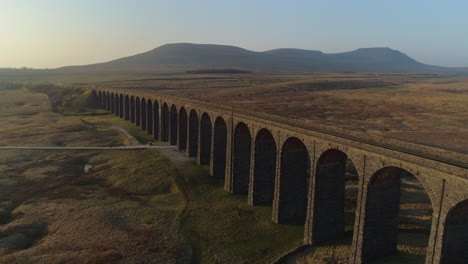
{"x":156,"y":123}
{"x":108,"y":101}
{"x":96,"y":99}
{"x":132,"y":110}
{"x":149,"y":115}
{"x":104,"y":100}
{"x":386,"y":192}
{"x":165,"y":123}
{"x":121,"y":105}
{"x":205,"y":139}
{"x":193,"y":134}
{"x":182,"y":129}
{"x":137,"y":111}
{"x":335,"y":175}
{"x":263,"y":182}
{"x":100,"y":99}
{"x":116,"y":104}
{"x":219,"y":148}
{"x":294,"y":181}
{"x":174,"y":126}
{"x":127,"y":108}
{"x":112,"y":103}
{"x":455,"y":243}
{"x":241,"y":158}
{"x":143,"y":114}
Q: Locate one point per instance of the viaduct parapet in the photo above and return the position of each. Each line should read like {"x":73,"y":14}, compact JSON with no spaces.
{"x":301,"y":171}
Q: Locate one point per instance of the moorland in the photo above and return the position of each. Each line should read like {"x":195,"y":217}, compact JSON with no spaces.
{"x":155,"y":205}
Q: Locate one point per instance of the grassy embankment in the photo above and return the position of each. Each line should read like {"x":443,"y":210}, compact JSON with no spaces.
{"x":221,"y":227}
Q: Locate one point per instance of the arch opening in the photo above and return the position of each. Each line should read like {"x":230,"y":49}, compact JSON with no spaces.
{"x":149,"y":113}
{"x":264,"y":168}
{"x":205,"y":139}
{"x":121,"y":106}
{"x":219,"y":148}
{"x":108,"y":102}
{"x":132,"y":110}
{"x":193,"y":134}
{"x":173,"y":122}
{"x":112,"y":103}
{"x":182,"y":129}
{"x":137,"y":111}
{"x":100,"y":102}
{"x":156,"y":123}
{"x":143,"y":114}
{"x":127,"y":108}
{"x":398,"y":213}
{"x":335,"y":197}
{"x":165,"y":123}
{"x":116,"y":104}
{"x":455,"y":244}
{"x":294,"y":182}
{"x":241,"y":159}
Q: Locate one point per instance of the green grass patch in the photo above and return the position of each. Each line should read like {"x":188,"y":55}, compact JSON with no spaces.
{"x":141,"y":172}
{"x":223,"y":227}
{"x":104,"y":117}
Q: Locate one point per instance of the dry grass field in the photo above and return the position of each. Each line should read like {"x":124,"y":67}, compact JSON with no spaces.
{"x":134,"y":206}
{"x":52,"y":212}
{"x":424,"y":109}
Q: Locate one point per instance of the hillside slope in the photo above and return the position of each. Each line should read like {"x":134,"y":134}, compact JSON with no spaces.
{"x":187,"y":56}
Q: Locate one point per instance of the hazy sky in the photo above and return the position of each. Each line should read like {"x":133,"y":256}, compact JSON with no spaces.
{"x":53,"y":33}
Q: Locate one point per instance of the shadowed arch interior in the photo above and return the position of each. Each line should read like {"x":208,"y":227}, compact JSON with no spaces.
{"x":112,"y":103}
{"x":149,"y":114}
{"x":264,"y":168}
{"x":121,"y":105}
{"x":205,"y":139}
{"x":156,"y":123}
{"x":193,"y":134}
{"x":116,"y":104}
{"x":241,"y":159}
{"x":127,"y":108}
{"x":165,"y":123}
{"x":388,"y":188}
{"x":173,"y":125}
{"x":334,"y":174}
{"x":106,"y":101}
{"x":219,"y":148}
{"x":294,"y":181}
{"x":143,"y":114}
{"x":132,"y":110}
{"x":137,"y":111}
{"x":100,"y":100}
{"x":455,"y":244}
{"x":182,"y":129}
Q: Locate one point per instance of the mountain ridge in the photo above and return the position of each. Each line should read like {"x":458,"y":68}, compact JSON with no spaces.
{"x":190,"y":56}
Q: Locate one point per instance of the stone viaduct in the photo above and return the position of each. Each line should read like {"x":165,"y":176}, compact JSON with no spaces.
{"x":301,"y":172}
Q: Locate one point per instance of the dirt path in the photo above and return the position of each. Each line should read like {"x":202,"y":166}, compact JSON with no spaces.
{"x":131,"y":138}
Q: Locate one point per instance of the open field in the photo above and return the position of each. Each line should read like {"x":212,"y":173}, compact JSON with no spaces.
{"x":423,"y":109}
{"x":133,"y":206}
{"x":183,"y":204}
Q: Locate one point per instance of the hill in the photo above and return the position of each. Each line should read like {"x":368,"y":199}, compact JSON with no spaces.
{"x":188,"y":56}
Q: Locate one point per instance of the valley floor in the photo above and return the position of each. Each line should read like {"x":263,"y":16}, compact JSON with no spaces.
{"x":134,"y":205}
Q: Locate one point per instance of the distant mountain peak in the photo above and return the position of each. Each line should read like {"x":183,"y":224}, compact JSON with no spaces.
{"x":191,"y":56}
